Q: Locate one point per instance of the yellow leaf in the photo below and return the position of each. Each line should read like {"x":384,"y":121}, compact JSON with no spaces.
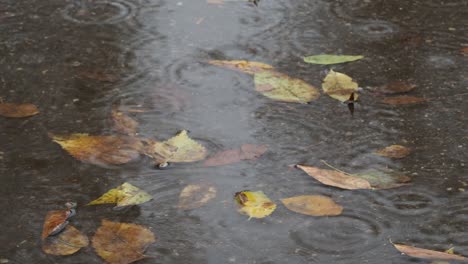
{"x":394,"y":151}
{"x":254,"y":204}
{"x":124,"y":195}
{"x":196,"y":195}
{"x":340,"y":86}
{"x":315,"y":205}
{"x":250,"y":67}
{"x":67,"y":242}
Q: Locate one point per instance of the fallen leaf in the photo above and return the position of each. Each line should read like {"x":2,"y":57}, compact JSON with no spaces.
{"x":331,"y":59}
{"x":246,"y":152}
{"x":124,"y":195}
{"x":55,"y":221}
{"x":394,"y":151}
{"x":195,"y":196}
{"x":315,"y":205}
{"x":464,"y":51}
{"x":67,"y":242}
{"x":99,"y":76}
{"x":340,"y":86}
{"x":123,"y":123}
{"x":395,"y":87}
{"x":121,"y":243}
{"x":250,"y":67}
{"x":400,"y":100}
{"x":427,"y":254}
{"x":281,"y":87}
{"x":100,"y":149}
{"x":336,"y":178}
{"x":381,"y":179}
{"x":17,"y":110}
{"x":254,"y":204}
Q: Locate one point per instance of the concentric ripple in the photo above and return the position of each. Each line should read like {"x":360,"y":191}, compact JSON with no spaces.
{"x":405,"y":202}
{"x":99,"y":12}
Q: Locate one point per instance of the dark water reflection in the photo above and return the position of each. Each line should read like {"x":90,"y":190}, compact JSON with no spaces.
{"x":154,"y":53}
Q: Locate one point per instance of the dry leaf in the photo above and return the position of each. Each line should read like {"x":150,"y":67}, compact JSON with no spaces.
{"x":195,"y":196}
{"x":336,"y":178}
{"x":396,"y":87}
{"x":315,"y":205}
{"x":400,"y":100}
{"x":18,"y":110}
{"x":124,"y":195}
{"x":254,"y":204}
{"x":100,"y":149}
{"x":123,"y":123}
{"x":427,"y":254}
{"x":67,"y":242}
{"x":394,"y":151}
{"x":246,"y":152}
{"x":340,"y":87}
{"x":121,"y":243}
{"x":55,"y":221}
{"x":250,"y":67}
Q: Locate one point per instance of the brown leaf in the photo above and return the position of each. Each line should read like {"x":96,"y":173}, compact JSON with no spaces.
{"x":401,"y":100}
{"x":464,"y":51}
{"x":18,"y":110}
{"x":123,"y":123}
{"x":121,"y":243}
{"x":394,"y":151}
{"x":336,"y":178}
{"x":246,"y":152}
{"x":195,"y":196}
{"x":250,"y":67}
{"x":315,"y":205}
{"x":54,"y":222}
{"x":67,"y":242}
{"x":396,"y":87}
{"x":427,"y":253}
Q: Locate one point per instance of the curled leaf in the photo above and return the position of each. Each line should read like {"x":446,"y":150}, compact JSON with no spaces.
{"x":123,"y":123}
{"x":315,"y":205}
{"x":124,"y":195}
{"x":246,"y":152}
{"x":254,"y":204}
{"x":340,"y":86}
{"x":250,"y":67}
{"x":18,"y":110}
{"x":121,"y":243}
{"x":331,"y":59}
{"x":394,"y":151}
{"x":427,"y":254}
{"x":402,"y":100}
{"x":56,"y":221}
{"x":66,"y":243}
{"x":195,"y":196}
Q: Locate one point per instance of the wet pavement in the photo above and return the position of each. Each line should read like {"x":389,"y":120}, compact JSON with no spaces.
{"x":76,"y":59}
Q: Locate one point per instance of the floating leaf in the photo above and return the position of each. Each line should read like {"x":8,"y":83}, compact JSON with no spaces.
{"x":100,"y":149}
{"x":123,"y":123}
{"x":195,"y":196}
{"x":55,"y":221}
{"x":121,"y":243}
{"x":250,"y":67}
{"x":427,"y":254}
{"x":401,"y":100}
{"x":394,"y":151}
{"x":254,"y":204}
{"x":66,"y":243}
{"x":281,"y":87}
{"x":315,"y":205}
{"x":331,"y":59}
{"x":395,"y":87}
{"x":246,"y":152}
{"x":340,"y":86}
{"x":18,"y":110}
{"x":380,"y":179}
{"x":124,"y":195}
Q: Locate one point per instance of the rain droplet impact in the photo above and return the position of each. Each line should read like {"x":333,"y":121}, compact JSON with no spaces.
{"x":99,"y":12}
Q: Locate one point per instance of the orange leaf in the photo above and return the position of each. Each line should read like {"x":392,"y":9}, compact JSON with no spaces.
{"x":464,"y":51}
{"x":246,"y":152}
{"x":17,"y":110}
{"x":427,"y":253}
{"x":250,"y":67}
{"x":336,"y":178}
{"x":400,"y":100}
{"x":315,"y":205}
{"x":54,"y":221}
{"x":66,"y":243}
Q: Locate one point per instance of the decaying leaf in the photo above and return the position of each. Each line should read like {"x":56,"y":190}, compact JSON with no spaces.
{"x":395,"y":87}
{"x":281,"y":87}
{"x":100,"y":149}
{"x":250,"y":67}
{"x":124,"y":195}
{"x":123,"y":123}
{"x":340,"y":86}
{"x":180,"y":148}
{"x":394,"y":151}
{"x":254,"y":204}
{"x":121,"y":243}
{"x":195,"y":196}
{"x":382,"y":179}
{"x":315,"y":205}
{"x":401,"y":100}
{"x":55,"y":221}
{"x":427,"y":253}
{"x":17,"y":110}
{"x":326,"y":59}
{"x":246,"y":152}
{"x":67,"y":242}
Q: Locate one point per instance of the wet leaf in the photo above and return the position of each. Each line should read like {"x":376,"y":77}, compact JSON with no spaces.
{"x":396,"y":87}
{"x":464,"y":51}
{"x":99,"y":76}
{"x":401,"y":100}
{"x":123,"y":123}
{"x":246,"y":152}
{"x":180,"y":148}
{"x":195,"y":196}
{"x":69,"y":241}
{"x":394,"y":151}
{"x":124,"y":195}
{"x":254,"y":204}
{"x":54,"y":222}
{"x":331,"y":59}
{"x":340,"y":86}
{"x":427,"y":254}
{"x":17,"y":110}
{"x":250,"y":67}
{"x":100,"y":149}
{"x":121,"y":243}
{"x":380,"y":179}
{"x":281,"y":87}
{"x":336,"y":178}
{"x":315,"y":205}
